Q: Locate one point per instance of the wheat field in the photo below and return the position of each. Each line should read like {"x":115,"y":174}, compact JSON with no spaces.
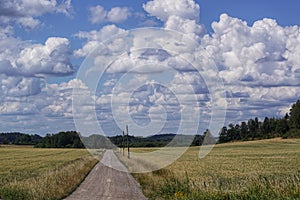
{"x":266,"y":169}
{"x":35,"y":174}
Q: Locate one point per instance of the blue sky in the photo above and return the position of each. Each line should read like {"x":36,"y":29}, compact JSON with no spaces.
{"x":253,"y":49}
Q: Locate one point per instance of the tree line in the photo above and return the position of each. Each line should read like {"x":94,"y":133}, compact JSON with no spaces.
{"x":17,"y":138}
{"x":286,"y":127}
{"x":72,"y":139}
{"x":68,"y":139}
{"x":159,"y":140}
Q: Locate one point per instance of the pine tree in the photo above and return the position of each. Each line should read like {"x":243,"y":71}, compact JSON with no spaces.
{"x":295,"y":115}
{"x":223,"y":135}
{"x":244,"y":131}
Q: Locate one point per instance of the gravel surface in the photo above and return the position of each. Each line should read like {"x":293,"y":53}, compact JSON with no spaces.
{"x":104,"y":182}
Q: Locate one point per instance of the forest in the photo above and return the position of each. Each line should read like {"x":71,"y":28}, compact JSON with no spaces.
{"x":286,"y":127}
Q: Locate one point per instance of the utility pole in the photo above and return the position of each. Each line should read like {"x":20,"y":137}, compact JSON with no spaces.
{"x":123,"y":144}
{"x":128,"y":142}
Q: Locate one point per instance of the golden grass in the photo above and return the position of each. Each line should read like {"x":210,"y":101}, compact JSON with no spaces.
{"x":31,"y":173}
{"x":269,"y":169}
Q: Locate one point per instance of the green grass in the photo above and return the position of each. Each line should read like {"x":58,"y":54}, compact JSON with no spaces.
{"x":268,"y":169}
{"x":31,"y":173}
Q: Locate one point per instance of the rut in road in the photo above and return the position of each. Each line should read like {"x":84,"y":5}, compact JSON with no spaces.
{"x":104,"y":182}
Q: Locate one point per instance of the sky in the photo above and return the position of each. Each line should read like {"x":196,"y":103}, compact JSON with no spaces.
{"x":159,"y":66}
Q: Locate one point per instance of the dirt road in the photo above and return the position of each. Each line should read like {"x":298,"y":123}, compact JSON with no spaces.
{"x":104,"y":182}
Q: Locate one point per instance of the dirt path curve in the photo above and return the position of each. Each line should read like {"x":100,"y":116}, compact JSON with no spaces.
{"x":107,"y":183}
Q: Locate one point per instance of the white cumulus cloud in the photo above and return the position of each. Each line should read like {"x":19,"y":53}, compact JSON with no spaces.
{"x":261,"y":55}
{"x":98,"y":14}
{"x":163,"y":9}
{"x":25,"y":12}
{"x":95,"y":38}
{"x":118,"y":14}
{"x":24,"y":65}
{"x":23,"y":58}
{"x":51,"y":58}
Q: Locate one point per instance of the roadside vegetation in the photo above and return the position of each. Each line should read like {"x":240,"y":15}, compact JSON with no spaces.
{"x":36,"y":174}
{"x":265,"y":169}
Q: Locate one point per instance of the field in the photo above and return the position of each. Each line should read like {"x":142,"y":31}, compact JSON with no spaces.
{"x":31,"y":173}
{"x":267,"y":169}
